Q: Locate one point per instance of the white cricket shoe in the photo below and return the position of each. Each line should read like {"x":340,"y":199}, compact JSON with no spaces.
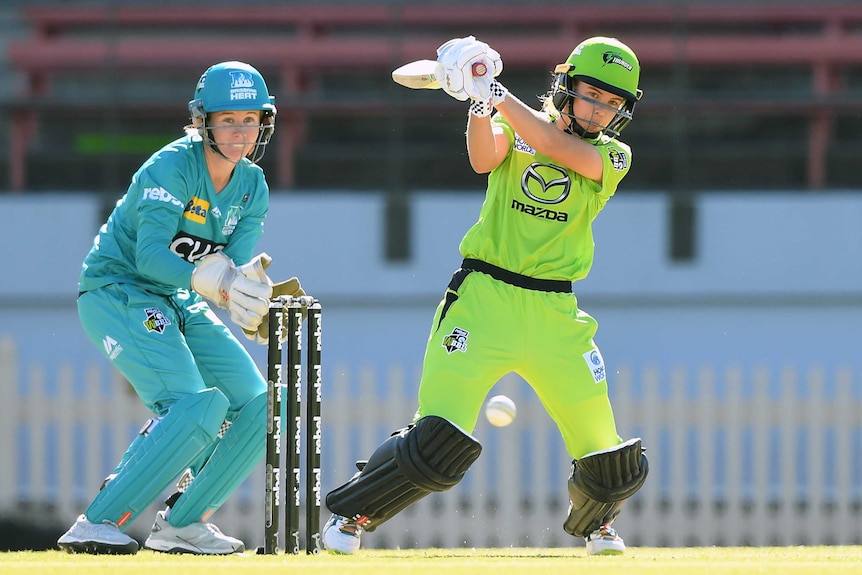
{"x":197,"y":538}
{"x":605,"y":541}
{"x":341,"y":535}
{"x":96,"y":538}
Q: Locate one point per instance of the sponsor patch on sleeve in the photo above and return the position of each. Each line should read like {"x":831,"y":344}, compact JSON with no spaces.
{"x":596,"y":364}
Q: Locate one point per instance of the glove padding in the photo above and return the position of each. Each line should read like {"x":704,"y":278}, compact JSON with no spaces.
{"x":289,"y":287}
{"x":255,"y":270}
{"x":454,"y":71}
{"x":216,"y":278}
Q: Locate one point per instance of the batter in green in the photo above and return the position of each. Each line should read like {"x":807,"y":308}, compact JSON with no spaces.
{"x":510,"y":306}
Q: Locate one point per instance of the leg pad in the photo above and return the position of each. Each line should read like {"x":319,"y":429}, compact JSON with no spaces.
{"x":234,"y":458}
{"x":601,"y":482}
{"x":431,"y":455}
{"x":190,"y":426}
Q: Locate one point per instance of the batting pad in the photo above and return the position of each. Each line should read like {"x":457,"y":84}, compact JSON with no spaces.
{"x":601,"y":482}
{"x":234,"y":458}
{"x":432,"y":455}
{"x":190,"y":426}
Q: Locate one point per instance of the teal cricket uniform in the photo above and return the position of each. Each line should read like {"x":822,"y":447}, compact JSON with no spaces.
{"x":138,"y":306}
{"x":535,"y":229}
{"x":136,"y":303}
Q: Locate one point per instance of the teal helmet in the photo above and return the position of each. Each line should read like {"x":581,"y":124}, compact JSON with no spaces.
{"x":607,"y":64}
{"x":230,"y":86}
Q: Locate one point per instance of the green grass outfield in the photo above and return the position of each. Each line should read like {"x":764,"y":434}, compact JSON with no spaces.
{"x":523,"y":561}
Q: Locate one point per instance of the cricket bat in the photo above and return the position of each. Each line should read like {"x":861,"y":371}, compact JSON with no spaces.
{"x":419,"y":75}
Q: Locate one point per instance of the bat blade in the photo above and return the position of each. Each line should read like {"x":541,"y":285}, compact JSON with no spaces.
{"x":418,"y":75}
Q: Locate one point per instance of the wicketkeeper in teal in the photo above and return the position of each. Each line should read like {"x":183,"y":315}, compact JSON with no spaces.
{"x":185,"y":230}
{"x":510,"y":306}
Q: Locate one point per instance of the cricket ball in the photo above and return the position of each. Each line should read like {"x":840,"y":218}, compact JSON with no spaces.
{"x":500,"y":410}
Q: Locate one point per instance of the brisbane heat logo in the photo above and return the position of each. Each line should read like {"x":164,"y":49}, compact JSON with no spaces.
{"x":242,"y":86}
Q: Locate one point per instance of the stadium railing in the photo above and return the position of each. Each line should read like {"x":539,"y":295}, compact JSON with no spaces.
{"x":298,"y":44}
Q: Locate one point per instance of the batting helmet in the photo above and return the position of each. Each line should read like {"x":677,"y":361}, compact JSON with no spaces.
{"x":605,"y":63}
{"x":234,"y":86}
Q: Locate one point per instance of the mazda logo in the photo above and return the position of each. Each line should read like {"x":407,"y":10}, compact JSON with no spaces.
{"x":546,"y":184}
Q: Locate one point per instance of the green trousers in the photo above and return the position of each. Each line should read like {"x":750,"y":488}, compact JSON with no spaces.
{"x":485,"y":328}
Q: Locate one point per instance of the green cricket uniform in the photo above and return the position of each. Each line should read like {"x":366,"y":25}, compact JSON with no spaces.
{"x":510,"y":307}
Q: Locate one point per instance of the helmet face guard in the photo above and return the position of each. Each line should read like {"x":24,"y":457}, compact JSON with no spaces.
{"x":233,"y":86}
{"x":607,"y":64}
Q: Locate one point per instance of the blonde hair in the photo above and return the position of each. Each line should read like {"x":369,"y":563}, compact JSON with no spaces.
{"x":548,"y":107}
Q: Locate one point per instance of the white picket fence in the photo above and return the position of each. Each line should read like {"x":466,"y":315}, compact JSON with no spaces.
{"x":760,"y":457}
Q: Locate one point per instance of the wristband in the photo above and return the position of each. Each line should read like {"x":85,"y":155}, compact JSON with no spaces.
{"x":480,"y":108}
{"x":498,"y":92}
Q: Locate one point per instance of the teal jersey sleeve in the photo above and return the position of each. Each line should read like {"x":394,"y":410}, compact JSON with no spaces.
{"x":170,"y":217}
{"x":537,"y":216}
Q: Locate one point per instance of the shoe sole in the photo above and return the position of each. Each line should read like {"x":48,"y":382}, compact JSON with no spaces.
{"x":97,"y":548}
{"x":185,"y":551}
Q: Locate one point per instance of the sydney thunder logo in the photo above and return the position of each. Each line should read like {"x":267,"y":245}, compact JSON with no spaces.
{"x":614,"y":58}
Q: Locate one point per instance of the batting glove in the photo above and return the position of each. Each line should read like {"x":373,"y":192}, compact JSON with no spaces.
{"x":455,"y":68}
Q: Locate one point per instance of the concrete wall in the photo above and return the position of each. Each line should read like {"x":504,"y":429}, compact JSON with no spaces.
{"x":776,"y":279}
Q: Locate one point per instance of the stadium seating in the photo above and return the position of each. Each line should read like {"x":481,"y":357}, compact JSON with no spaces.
{"x":296,"y":45}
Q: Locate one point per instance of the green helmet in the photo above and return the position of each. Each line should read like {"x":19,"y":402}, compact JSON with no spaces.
{"x":605,"y":63}
{"x":234,"y":86}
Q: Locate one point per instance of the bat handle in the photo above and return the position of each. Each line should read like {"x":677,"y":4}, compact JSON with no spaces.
{"x":479,"y":69}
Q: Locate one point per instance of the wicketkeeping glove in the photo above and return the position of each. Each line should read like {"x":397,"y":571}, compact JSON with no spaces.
{"x":289,"y":287}
{"x":256,"y":270}
{"x":217,"y":278}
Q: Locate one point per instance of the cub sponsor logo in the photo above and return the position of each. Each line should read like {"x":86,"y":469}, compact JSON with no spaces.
{"x":192,"y":248}
{"x":196,"y":210}
{"x":456,"y":341}
{"x":156,"y":320}
{"x":596,"y":364}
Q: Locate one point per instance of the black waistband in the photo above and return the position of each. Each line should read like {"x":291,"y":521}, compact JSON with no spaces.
{"x":515,"y":279}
